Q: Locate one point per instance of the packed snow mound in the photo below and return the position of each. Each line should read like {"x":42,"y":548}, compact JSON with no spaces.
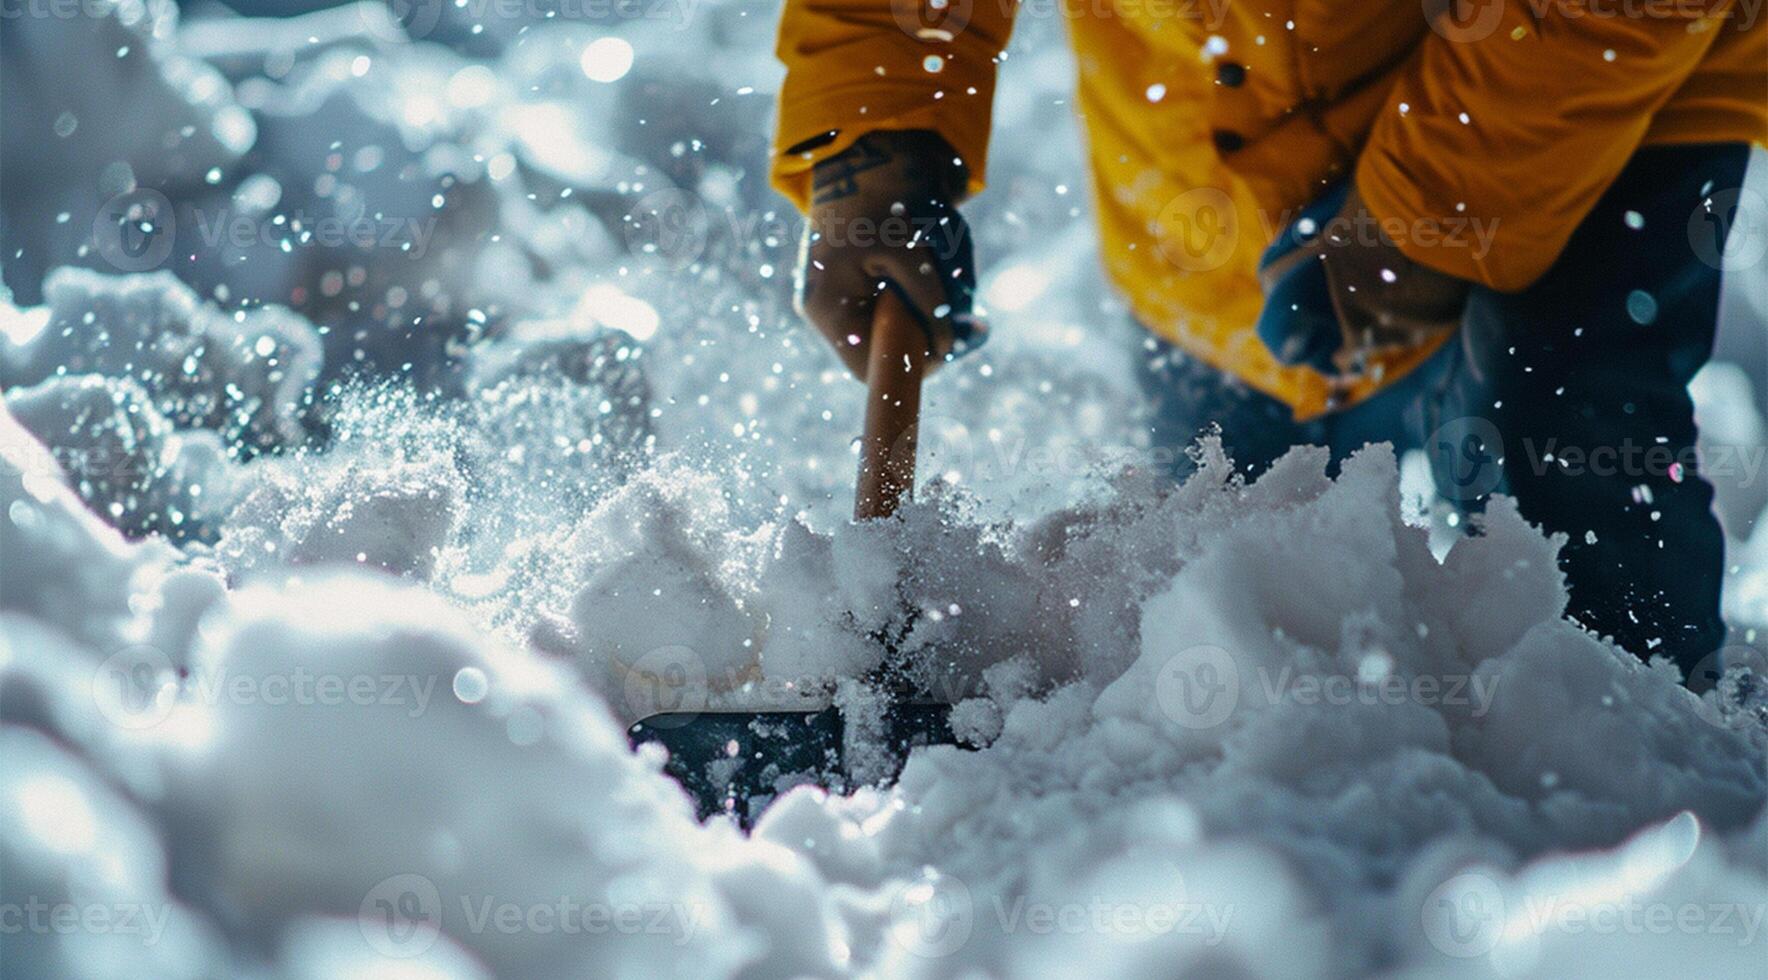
{"x":1318,"y":713}
{"x":128,"y":460}
{"x":330,"y":574}
{"x":572,"y":815}
{"x":396,"y":517}
{"x":1294,"y":744}
{"x":72,"y":844}
{"x":63,"y":566}
{"x":246,"y":376}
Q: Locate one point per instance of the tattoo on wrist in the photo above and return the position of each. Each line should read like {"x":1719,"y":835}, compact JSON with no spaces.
{"x":833,"y":179}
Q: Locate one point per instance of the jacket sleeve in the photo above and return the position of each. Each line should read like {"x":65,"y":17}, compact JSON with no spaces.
{"x":1520,"y":123}
{"x":854,"y":66}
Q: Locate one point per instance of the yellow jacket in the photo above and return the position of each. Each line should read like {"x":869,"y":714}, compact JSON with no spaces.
{"x":1212,"y":121}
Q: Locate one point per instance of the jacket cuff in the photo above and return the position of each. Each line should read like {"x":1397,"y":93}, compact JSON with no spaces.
{"x":818,"y":125}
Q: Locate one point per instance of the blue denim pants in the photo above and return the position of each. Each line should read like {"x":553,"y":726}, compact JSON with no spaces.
{"x":1570,"y":396}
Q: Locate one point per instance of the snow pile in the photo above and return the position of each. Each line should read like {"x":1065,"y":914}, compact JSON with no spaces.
{"x":330,"y":574}
{"x":70,"y":842}
{"x":1295,"y":745}
{"x":63,"y":565}
{"x":143,"y":391}
{"x":131,"y":463}
{"x":394,"y":518}
{"x":1320,"y":727}
{"x":289,"y":761}
{"x":537,"y":800}
{"x":247,"y":377}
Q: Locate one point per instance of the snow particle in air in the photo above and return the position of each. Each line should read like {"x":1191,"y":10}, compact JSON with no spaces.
{"x":471,"y":87}
{"x":1642,"y":307}
{"x":471,"y":685}
{"x":607,"y":59}
{"x":1375,"y":667}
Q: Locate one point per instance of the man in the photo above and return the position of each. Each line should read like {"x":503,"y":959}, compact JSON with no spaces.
{"x":1493,"y":231}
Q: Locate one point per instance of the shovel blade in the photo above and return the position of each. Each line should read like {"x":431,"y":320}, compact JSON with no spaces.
{"x":736,"y":762}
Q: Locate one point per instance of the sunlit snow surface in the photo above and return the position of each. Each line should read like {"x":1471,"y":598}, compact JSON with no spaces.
{"x":330,"y":573}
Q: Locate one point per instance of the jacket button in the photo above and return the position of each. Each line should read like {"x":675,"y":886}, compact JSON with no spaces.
{"x":1227,"y":141}
{"x":1231,"y":74}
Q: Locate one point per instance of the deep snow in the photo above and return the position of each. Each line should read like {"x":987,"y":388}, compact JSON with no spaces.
{"x":329,"y":575}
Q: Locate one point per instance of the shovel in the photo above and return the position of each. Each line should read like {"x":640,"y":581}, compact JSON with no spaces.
{"x":736,"y":761}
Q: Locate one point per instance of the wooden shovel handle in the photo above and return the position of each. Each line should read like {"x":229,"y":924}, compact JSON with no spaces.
{"x":894,"y":368}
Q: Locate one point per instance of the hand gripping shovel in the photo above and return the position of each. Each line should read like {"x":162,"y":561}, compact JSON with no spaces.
{"x":736,"y":761}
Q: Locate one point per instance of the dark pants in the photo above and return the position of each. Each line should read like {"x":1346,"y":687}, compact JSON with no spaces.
{"x":1571,"y":396}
